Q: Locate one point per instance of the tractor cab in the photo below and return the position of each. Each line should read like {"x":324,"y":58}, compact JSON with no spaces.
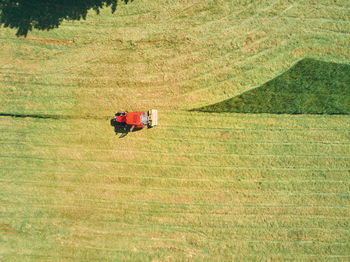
{"x":137,"y":119}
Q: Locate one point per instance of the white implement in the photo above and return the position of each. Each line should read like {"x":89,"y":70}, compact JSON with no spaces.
{"x":152,"y":117}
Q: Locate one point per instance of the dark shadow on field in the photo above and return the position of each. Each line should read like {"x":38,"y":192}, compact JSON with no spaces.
{"x":54,"y":117}
{"x":123,"y":129}
{"x":309,"y":87}
{"x":39,"y":116}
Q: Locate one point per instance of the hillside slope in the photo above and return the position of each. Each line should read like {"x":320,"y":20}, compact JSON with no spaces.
{"x":309,"y":87}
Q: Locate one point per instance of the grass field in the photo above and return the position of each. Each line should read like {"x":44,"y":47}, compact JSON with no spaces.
{"x":200,"y":186}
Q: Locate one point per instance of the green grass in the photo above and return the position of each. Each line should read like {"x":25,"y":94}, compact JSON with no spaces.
{"x":219,"y":186}
{"x":309,"y":87}
{"x":252,"y":186}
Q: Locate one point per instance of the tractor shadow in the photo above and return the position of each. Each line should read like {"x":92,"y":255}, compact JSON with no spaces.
{"x":122,"y":129}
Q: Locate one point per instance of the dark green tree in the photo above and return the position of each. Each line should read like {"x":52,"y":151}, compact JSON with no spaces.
{"x":47,"y":14}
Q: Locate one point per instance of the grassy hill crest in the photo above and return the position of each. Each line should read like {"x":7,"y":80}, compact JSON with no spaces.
{"x":309,"y":87}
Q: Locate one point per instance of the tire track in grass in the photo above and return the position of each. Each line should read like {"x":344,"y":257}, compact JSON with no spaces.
{"x":201,"y":199}
{"x":251,"y":240}
{"x":190,"y":138}
{"x":242,"y":151}
{"x":203,"y":255}
{"x":58,"y":146}
{"x":228,"y":181}
{"x":224,"y":223}
{"x":233,"y":191}
{"x":258,"y":130}
{"x":229,"y":176}
{"x":168,"y":153}
{"x":233,"y":226}
{"x":341,"y":212}
{"x":215,"y":220}
{"x":225,"y":142}
{"x":239,"y":213}
{"x":204,"y":181}
{"x":76,"y":170}
{"x":198,"y":166}
{"x":132,"y":199}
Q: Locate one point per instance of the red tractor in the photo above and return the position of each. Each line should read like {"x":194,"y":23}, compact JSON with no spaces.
{"x":139,"y":120}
